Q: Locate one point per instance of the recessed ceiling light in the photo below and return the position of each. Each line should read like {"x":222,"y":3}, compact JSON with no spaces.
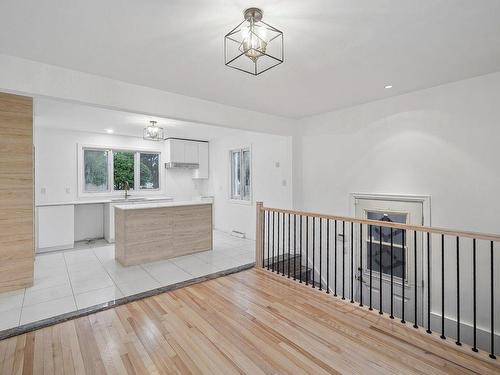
{"x":388,"y":87}
{"x":109,"y":131}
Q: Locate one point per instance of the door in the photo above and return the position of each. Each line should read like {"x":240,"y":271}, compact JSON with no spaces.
{"x":403,"y":256}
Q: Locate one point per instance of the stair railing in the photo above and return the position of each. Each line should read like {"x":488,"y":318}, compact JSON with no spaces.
{"x":354,"y":259}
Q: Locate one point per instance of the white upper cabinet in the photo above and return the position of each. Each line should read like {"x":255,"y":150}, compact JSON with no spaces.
{"x":191,"y":152}
{"x":188,"y":152}
{"x":175,"y":151}
{"x":202,"y":171}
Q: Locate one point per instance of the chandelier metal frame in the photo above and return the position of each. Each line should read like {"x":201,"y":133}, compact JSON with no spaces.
{"x":234,"y":40}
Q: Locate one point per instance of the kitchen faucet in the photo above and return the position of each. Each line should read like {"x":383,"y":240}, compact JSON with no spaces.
{"x":127,"y":187}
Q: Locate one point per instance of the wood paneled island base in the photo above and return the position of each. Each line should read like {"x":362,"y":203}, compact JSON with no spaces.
{"x":155,"y":231}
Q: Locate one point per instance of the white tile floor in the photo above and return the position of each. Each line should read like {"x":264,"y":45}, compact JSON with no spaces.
{"x":88,"y":275}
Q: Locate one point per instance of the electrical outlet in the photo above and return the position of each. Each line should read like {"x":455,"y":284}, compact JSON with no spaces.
{"x":68,"y":190}
{"x":283,"y":182}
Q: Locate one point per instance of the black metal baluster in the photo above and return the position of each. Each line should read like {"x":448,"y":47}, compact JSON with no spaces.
{"x":380,"y":269}
{"x":371,"y":265}
{"x":492,"y":304}
{"x":429,"y":283}
{"x":403,"y":280}
{"x":361,"y":264}
{"x":343,"y":259}
{"x":288,"y":245}
{"x":458,"y":292}
{"x":474,"y":311}
{"x":328,"y":256}
{"x":314,"y":248}
{"x":335,"y":260}
{"x":278,"y":246}
{"x":415,"y":271}
{"x":272,"y":266}
{"x":320,"y":250}
{"x":283,"y":241}
{"x":392,"y":274}
{"x":442,"y":288}
{"x":307,"y":250}
{"x":295,"y":246}
{"x":268,"y":237}
{"x":300,"y":250}
{"x":352,"y":262}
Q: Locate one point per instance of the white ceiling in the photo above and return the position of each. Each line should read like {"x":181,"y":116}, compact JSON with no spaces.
{"x":337,"y":52}
{"x":71,"y":116}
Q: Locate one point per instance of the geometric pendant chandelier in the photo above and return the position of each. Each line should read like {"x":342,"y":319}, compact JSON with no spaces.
{"x":253,"y":46}
{"x":153,"y":132}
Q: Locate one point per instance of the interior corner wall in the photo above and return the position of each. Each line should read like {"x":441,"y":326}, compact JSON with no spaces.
{"x":271,"y":178}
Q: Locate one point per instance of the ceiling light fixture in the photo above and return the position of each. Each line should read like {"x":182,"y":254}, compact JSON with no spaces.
{"x":109,"y":131}
{"x":253,"y":46}
{"x":153,"y":132}
{"x":388,"y":87}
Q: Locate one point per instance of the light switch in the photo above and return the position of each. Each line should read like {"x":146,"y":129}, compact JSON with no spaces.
{"x":68,"y":190}
{"x":283,"y":182}
{"x":277,"y":164}
{"x":43,"y":190}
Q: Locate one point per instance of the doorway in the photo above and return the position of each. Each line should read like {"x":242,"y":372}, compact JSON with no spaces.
{"x":373,"y":256}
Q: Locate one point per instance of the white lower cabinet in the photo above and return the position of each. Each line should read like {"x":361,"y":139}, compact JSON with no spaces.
{"x":55,"y":227}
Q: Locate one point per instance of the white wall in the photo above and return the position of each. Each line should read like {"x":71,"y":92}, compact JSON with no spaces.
{"x":56,"y":164}
{"x":270,"y":184}
{"x":442,"y":142}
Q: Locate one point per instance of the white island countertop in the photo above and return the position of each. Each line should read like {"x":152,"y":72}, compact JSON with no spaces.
{"x":142,"y":206}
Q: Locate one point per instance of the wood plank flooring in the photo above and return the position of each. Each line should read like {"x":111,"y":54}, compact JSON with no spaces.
{"x":252,"y":322}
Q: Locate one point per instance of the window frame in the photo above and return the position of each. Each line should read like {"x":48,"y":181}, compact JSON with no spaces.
{"x":111,"y":192}
{"x":239,"y":199}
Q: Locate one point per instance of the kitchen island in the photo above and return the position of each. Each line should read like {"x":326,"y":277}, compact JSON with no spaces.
{"x":148,"y":232}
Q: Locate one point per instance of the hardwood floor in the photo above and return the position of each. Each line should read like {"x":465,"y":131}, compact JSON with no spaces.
{"x":252,"y":322}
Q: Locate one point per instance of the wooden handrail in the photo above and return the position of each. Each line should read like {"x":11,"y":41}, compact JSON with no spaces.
{"x":418,"y":228}
{"x":259,"y":233}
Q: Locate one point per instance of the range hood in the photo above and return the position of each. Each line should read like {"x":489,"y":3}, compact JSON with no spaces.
{"x":177,"y":164}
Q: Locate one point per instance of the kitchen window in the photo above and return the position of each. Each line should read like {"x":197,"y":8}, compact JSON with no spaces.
{"x":240,"y":161}
{"x":107,"y":170}
{"x":96,"y":170}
